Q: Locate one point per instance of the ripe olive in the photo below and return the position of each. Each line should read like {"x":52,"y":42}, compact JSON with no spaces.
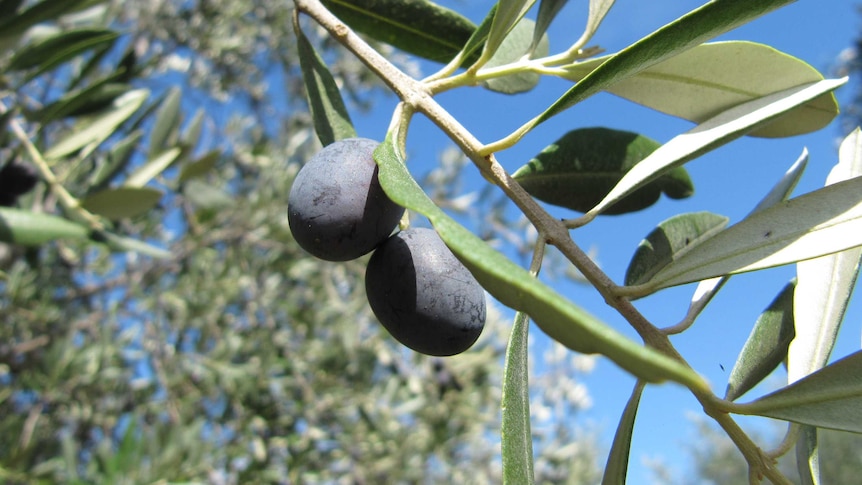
{"x":423,"y":295}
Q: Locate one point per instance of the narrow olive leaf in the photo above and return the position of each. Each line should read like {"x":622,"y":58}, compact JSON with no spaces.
{"x":98,"y":127}
{"x":617,"y":466}
{"x":766,"y":346}
{"x":669,"y":241}
{"x":513,"y":286}
{"x":199,"y":167}
{"x":825,"y":284}
{"x":152,"y":168}
{"x":514,"y":47}
{"x":707,"y":289}
{"x":127,"y":244}
{"x":34,"y":228}
{"x":509,"y":14}
{"x":578,"y":170}
{"x":56,"y":49}
{"x":331,"y":119}
{"x":694,"y":28}
{"x":516,"y":438}
{"x":710,"y":78}
{"x":122,"y":202}
{"x":548,"y":10}
{"x":192,"y":133}
{"x":719,"y":130}
{"x":93,"y":98}
{"x":419,"y":27}
{"x":166,"y":122}
{"x":469,"y":54}
{"x":14,"y":26}
{"x":118,"y":157}
{"x":822,"y":222}
{"x":829,"y":398}
{"x":205,"y":196}
{"x":808,"y":456}
{"x":598,"y":10}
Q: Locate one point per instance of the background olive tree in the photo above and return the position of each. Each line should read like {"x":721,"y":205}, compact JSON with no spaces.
{"x":176,"y":332}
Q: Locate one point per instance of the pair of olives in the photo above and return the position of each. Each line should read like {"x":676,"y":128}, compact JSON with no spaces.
{"x":416,"y":287}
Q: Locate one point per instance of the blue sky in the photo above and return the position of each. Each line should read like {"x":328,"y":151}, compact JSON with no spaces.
{"x":728,"y":181}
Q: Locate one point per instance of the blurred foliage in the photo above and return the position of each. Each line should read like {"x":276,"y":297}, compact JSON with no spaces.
{"x":239,"y":359}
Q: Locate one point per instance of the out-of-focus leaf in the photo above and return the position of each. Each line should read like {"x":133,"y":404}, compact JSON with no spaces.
{"x":93,"y":98}
{"x":766,"y":346}
{"x":514,"y":287}
{"x":669,"y":241}
{"x":617,"y":466}
{"x":98,"y":127}
{"x":822,"y":222}
{"x":331,"y":119}
{"x":419,"y":27}
{"x":192,"y":134}
{"x":509,"y":14}
{"x":829,"y":398}
{"x":578,"y":170}
{"x":152,"y":168}
{"x":116,"y":160}
{"x":199,"y":167}
{"x":122,"y":202}
{"x":517,"y":440}
{"x":34,"y":228}
{"x":166,"y":122}
{"x":710,"y":78}
{"x":723,"y":128}
{"x":14,"y":26}
{"x":205,"y":196}
{"x":548,"y":10}
{"x":688,"y":31}
{"x":825,"y":284}
{"x":515,"y":46}
{"x":60,"y":48}
{"x":127,"y":244}
{"x":808,"y":456}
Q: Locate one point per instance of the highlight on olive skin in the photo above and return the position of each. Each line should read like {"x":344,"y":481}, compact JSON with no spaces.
{"x":423,"y":295}
{"x":337,"y":210}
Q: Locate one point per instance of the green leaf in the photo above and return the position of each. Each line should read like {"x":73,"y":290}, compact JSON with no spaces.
{"x":766,"y":346}
{"x":205,"y":196}
{"x":822,"y":222}
{"x":331,"y":119}
{"x":93,"y":98}
{"x":710,"y":78}
{"x":122,"y":202}
{"x":119,"y":155}
{"x":127,"y":244}
{"x":508,"y":14}
{"x":517,"y":440}
{"x":578,"y":170}
{"x":825,"y":284}
{"x":514,"y":47}
{"x":57,"y":49}
{"x":692,"y":29}
{"x":152,"y":168}
{"x":722,"y":128}
{"x":514,"y":287}
{"x":13,"y":27}
{"x":192,"y":133}
{"x":829,"y":398}
{"x":419,"y":27}
{"x":617,"y":466}
{"x":598,"y":10}
{"x":548,"y":10}
{"x":97,"y":128}
{"x":166,"y":122}
{"x":669,"y":241}
{"x":808,"y":456}
{"x":199,"y":167}
{"x":34,"y":228}
{"x":469,"y":53}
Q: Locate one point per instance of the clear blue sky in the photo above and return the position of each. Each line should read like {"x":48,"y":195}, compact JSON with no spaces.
{"x":729,"y":181}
